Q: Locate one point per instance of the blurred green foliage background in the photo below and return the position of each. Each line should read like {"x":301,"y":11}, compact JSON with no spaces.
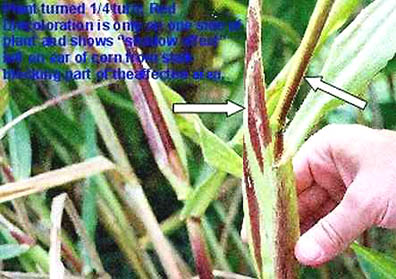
{"x":58,"y":136}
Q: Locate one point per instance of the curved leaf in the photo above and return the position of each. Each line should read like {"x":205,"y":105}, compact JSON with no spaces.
{"x":375,"y":265}
{"x":217,"y":153}
{"x":207,"y":191}
{"x":19,"y":144}
{"x":358,"y":54}
{"x":9,"y":251}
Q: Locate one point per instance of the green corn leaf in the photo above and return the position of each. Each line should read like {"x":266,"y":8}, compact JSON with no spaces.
{"x":65,"y":129}
{"x":391,"y":67}
{"x":115,"y":100}
{"x":89,"y":210}
{"x":9,"y":251}
{"x":358,"y":54}
{"x":203,"y":195}
{"x":184,"y":122}
{"x":207,"y":191}
{"x":339,"y":14}
{"x":375,"y":265}
{"x":217,"y":153}
{"x":4,"y":96}
{"x":239,"y":9}
{"x":19,"y":144}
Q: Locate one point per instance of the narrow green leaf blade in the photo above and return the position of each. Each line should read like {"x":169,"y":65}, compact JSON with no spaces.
{"x":203,"y":195}
{"x":163,"y":135}
{"x":4,"y":95}
{"x":358,"y":54}
{"x":9,"y":251}
{"x":339,"y":14}
{"x":375,"y":265}
{"x":19,"y":144}
{"x":89,"y":214}
{"x":217,"y":153}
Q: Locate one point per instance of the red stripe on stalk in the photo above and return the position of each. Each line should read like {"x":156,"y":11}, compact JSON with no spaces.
{"x":258,"y":124}
{"x":143,"y":87}
{"x":253,"y":32}
{"x":198,"y":245}
{"x":254,"y":211}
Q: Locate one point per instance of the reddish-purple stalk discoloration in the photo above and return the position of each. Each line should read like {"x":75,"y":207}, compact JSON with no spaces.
{"x":154,"y":121}
{"x":146,"y":120}
{"x":258,"y":124}
{"x":23,"y":238}
{"x":259,"y":131}
{"x":285,"y":260}
{"x":75,"y":262}
{"x":299,"y":67}
{"x":150,"y":114}
{"x":263,"y":127}
{"x":253,"y":34}
{"x":257,"y":121}
{"x":201,"y":256}
{"x":278,"y":145}
{"x":149,"y":97}
{"x":254,"y":211}
{"x":7,"y":170}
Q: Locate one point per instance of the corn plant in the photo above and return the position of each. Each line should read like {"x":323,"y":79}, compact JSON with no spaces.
{"x":270,"y":199}
{"x":95,"y":157}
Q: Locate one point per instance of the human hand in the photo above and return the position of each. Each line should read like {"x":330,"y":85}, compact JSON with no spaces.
{"x":346,"y":179}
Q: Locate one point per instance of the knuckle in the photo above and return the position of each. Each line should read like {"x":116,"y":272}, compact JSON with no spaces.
{"x":352,"y":201}
{"x":330,"y":135}
{"x":387,"y":217}
{"x":364,"y":208}
{"x":326,"y":131}
{"x":359,"y":202}
{"x":333,"y":129}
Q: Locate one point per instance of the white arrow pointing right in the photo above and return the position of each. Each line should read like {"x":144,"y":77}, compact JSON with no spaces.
{"x":228,"y":108}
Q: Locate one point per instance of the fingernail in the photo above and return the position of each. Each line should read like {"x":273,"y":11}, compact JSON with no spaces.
{"x":308,"y":251}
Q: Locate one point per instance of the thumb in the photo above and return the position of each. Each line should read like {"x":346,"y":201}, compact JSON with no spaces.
{"x":332,"y":234}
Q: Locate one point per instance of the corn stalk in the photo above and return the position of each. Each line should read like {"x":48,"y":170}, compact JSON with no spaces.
{"x":270,"y":200}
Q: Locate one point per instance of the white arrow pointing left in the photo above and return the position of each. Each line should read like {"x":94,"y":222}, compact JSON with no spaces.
{"x":228,"y":108}
{"x":317,"y":82}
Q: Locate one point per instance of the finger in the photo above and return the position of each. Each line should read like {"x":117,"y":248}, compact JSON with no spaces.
{"x":332,"y":234}
{"x":302,"y":171}
{"x":314,"y":148}
{"x":388,"y":218}
{"x":314,"y":164}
